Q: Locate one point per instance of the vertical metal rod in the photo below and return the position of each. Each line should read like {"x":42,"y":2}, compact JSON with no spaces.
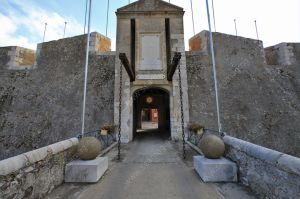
{"x":120,"y":112}
{"x":192,"y":16}
{"x":86,"y":68}
{"x":128,"y":1}
{"x":181,"y":111}
{"x":65,"y":29}
{"x":107,"y":17}
{"x":214,"y":67}
{"x":44,"y":32}
{"x":256,"y":30}
{"x":86,"y":7}
{"x":235,"y":27}
{"x":213,"y":8}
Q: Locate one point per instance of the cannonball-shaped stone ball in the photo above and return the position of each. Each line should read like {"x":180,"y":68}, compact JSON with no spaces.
{"x":212,"y":146}
{"x":88,"y":148}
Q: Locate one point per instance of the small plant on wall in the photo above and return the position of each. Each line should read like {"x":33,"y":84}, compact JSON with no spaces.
{"x":197,"y":129}
{"x":107,"y":129}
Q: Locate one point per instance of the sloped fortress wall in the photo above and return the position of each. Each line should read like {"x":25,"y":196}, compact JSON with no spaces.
{"x":268,"y":173}
{"x":259,"y":103}
{"x":42,"y":106}
{"x":36,"y":173}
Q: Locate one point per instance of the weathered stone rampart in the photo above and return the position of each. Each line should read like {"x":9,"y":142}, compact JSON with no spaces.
{"x":259,"y":103}
{"x":16,"y":58}
{"x":42,"y":106}
{"x":283,"y":54}
{"x":269,"y":173}
{"x":36,"y":173}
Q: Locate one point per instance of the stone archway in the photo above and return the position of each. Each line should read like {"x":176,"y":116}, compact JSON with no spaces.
{"x":152,"y":99}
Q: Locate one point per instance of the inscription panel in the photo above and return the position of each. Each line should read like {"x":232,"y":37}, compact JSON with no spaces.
{"x":150,"y":76}
{"x":150,"y":52}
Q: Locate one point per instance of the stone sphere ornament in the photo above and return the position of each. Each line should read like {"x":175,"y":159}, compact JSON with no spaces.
{"x":212,"y":146}
{"x":88,"y":148}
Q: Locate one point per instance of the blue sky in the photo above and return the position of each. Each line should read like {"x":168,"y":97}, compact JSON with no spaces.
{"x":22,"y":21}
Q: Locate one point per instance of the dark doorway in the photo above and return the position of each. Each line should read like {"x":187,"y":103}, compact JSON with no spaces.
{"x":151,"y":112}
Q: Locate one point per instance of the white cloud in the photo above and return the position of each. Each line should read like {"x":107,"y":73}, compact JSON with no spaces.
{"x":7,"y":37}
{"x":278,"y":21}
{"x":32,"y":20}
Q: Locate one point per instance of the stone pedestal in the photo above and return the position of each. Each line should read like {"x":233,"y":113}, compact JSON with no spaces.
{"x":215,"y":170}
{"x":86,"y":170}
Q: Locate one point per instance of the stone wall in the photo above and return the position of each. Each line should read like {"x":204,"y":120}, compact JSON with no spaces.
{"x":198,"y":42}
{"x":258,"y":103}
{"x":44,"y":105}
{"x":16,"y":58}
{"x":283,"y":54}
{"x":99,"y":43}
{"x":36,"y":173}
{"x":4,"y":57}
{"x":270,"y":174}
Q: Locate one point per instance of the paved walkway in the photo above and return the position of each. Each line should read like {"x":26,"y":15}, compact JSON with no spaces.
{"x":151,"y":168}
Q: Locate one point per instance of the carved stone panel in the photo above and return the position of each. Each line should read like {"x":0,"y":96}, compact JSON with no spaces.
{"x":150,"y":52}
{"x":150,"y":76}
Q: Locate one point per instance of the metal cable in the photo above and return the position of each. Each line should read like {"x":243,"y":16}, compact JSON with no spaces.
{"x":256,"y":30}
{"x":192,"y":16}
{"x":213,"y":8}
{"x":182,"y":115}
{"x":120,"y":113}
{"x":86,"y":7}
{"x":65,"y":29}
{"x":214,"y":67}
{"x":107,"y":17}
{"x":235,"y":27}
{"x":86,"y":68}
{"x":45,"y":32}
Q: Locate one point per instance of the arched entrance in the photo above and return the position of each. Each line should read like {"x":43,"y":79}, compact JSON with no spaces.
{"x":151,"y":112}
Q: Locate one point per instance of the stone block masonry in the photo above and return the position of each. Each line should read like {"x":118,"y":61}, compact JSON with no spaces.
{"x":36,"y":173}
{"x":88,"y":171}
{"x":283,"y":54}
{"x":4,"y":57}
{"x":42,"y":106}
{"x":215,"y":170}
{"x":259,"y":103}
{"x":99,"y":43}
{"x":198,"y":42}
{"x":16,"y":58}
{"x":269,"y":173}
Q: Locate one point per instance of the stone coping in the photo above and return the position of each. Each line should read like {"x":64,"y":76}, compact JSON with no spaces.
{"x":282,"y":161}
{"x":18,"y":48}
{"x":15,"y":163}
{"x":106,"y":53}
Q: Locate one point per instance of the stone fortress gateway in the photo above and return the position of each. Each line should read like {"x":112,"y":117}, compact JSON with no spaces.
{"x":41,"y":98}
{"x":41,"y":93}
{"x":149,"y":33}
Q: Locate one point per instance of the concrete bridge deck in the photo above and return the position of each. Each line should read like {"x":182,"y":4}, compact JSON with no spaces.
{"x":151,"y":167}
